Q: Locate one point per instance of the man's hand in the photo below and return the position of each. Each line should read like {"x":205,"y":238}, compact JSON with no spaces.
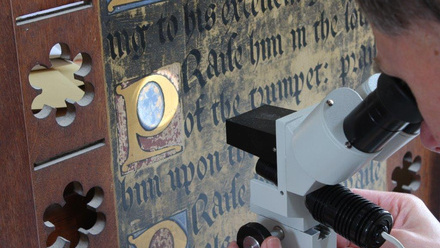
{"x":414,"y":225}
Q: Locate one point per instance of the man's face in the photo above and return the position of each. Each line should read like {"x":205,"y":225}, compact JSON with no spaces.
{"x":414,"y":57}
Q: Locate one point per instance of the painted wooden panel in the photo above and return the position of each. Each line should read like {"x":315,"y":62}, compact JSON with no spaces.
{"x":215,"y":59}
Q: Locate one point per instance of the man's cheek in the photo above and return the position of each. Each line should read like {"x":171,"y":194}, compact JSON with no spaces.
{"x":428,"y":139}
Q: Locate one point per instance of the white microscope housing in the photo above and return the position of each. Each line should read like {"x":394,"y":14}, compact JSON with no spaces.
{"x":324,"y":144}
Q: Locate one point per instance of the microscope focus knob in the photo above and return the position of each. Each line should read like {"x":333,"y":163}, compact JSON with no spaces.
{"x":252,"y":235}
{"x":350,"y":215}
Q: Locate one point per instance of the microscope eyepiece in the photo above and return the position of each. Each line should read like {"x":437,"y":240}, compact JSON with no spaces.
{"x":387,"y":110}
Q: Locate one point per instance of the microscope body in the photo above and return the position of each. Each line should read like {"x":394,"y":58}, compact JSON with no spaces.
{"x":306,"y":142}
{"x":312,"y":149}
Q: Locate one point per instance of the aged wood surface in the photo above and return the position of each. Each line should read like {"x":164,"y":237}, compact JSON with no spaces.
{"x":78,"y":152}
{"x":232,"y":57}
{"x":17,"y":215}
{"x":21,"y":8}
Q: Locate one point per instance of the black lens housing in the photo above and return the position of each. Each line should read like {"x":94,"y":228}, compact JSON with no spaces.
{"x":387,"y":110}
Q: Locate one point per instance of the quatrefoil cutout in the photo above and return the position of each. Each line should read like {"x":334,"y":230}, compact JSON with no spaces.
{"x":61,"y":85}
{"x":73,"y":222}
{"x":407,"y":178}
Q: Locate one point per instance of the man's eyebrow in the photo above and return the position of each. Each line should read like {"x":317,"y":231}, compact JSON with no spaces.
{"x":377,"y":65}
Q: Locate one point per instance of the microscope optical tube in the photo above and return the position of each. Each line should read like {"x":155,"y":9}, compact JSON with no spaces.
{"x":387,"y":110}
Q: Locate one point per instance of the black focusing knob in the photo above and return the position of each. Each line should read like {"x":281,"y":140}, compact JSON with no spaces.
{"x":350,"y":215}
{"x":252,"y":235}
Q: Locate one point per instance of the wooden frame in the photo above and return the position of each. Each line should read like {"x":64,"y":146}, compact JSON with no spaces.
{"x":27,"y":141}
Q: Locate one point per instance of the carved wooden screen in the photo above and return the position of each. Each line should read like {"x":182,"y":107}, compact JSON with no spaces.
{"x":56,"y":162}
{"x":414,"y":169}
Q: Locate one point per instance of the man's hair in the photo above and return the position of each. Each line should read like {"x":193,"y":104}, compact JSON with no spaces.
{"x":395,"y":16}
